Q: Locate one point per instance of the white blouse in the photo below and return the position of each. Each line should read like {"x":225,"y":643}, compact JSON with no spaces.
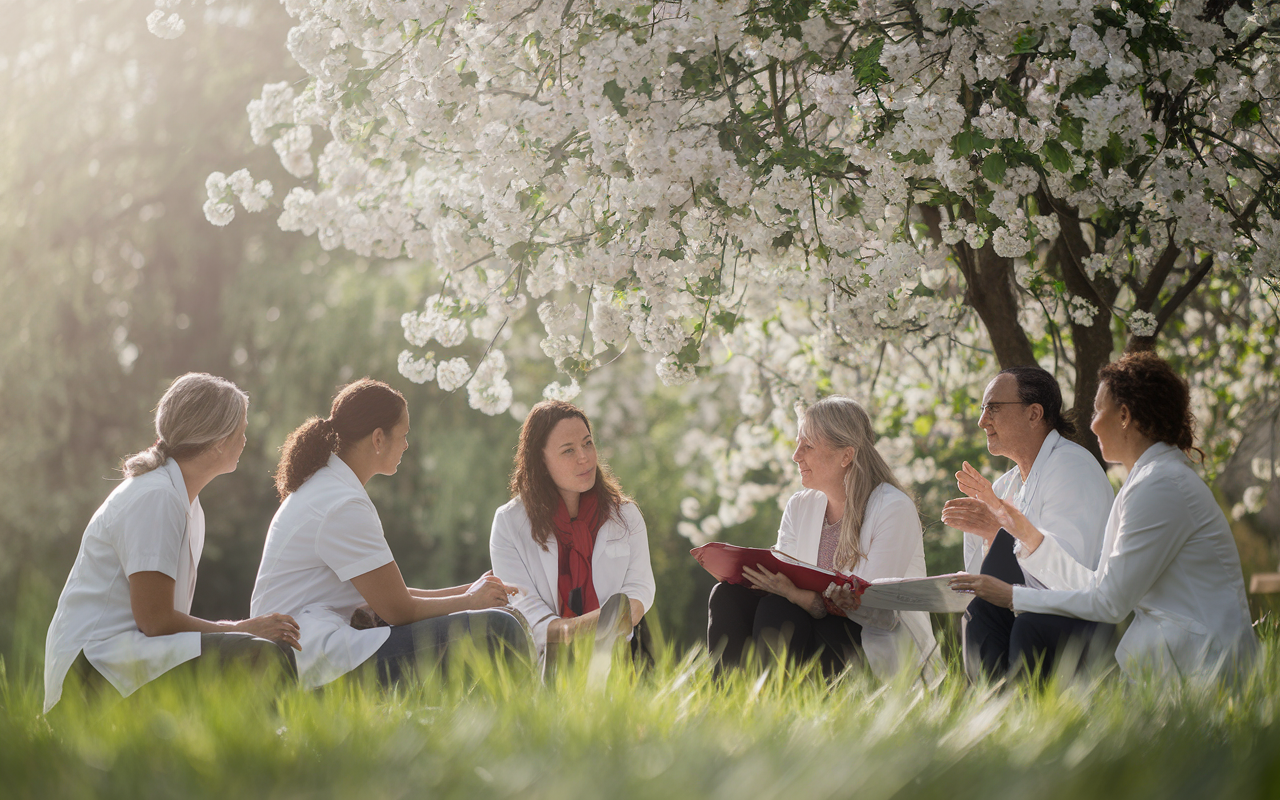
{"x":147,"y":524}
{"x":619,"y":563}
{"x":894,"y":545}
{"x":1067,"y":496}
{"x":1168,"y":557}
{"x":324,"y":534}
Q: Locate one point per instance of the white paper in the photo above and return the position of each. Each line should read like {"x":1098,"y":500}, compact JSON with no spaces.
{"x":931,"y":594}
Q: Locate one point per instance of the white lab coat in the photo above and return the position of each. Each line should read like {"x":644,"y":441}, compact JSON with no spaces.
{"x":148,"y":524}
{"x":619,"y":563}
{"x":1067,"y":496}
{"x":894,"y":545}
{"x":1168,"y":557}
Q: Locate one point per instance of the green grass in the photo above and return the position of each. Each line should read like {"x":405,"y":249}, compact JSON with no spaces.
{"x":673,"y":732}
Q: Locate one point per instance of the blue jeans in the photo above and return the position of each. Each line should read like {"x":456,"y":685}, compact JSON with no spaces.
{"x":427,"y":641}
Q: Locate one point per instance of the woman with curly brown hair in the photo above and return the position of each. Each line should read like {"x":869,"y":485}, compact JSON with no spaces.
{"x":574,"y":545}
{"x":1168,"y":555}
{"x":326,"y":556}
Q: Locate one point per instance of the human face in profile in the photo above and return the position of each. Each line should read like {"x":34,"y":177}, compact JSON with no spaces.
{"x":396,"y":442}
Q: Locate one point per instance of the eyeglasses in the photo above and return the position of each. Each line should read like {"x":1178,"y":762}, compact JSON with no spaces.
{"x":993,"y":407}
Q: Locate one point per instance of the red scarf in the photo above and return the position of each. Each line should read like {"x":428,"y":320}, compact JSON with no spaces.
{"x":576,"y":539}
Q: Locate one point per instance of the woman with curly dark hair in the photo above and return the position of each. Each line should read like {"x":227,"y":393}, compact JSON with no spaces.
{"x":1168,"y":555}
{"x":326,"y":556}
{"x":570,"y":540}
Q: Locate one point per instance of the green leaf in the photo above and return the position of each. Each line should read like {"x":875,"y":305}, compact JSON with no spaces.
{"x":968,"y":140}
{"x":727,"y":320}
{"x":1072,"y":131}
{"x":1249,"y":113}
{"x":616,"y":95}
{"x":1027,"y":41}
{"x":1057,"y":155}
{"x":993,"y":168}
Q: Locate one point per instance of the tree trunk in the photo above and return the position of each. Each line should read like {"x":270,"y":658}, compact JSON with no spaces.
{"x":989,"y":289}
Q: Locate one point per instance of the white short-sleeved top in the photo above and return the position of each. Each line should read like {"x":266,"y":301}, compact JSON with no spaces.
{"x":147,"y":524}
{"x":323,"y":535}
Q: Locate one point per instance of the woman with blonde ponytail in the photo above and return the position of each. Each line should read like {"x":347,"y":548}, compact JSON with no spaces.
{"x":124,"y":613}
{"x":326,"y":557}
{"x":853,"y":517}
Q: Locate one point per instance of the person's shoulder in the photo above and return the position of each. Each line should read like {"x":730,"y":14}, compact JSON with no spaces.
{"x":1073,"y":456}
{"x":149,"y":488}
{"x":806,"y":497}
{"x":891,"y":495}
{"x":629,"y":512}
{"x":511,"y":512}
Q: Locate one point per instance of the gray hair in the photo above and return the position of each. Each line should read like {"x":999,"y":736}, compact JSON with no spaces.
{"x":840,"y":422}
{"x":197,"y":411}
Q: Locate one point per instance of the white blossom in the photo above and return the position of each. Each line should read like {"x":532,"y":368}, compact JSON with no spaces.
{"x":451,"y":374}
{"x":418,"y":370}
{"x":166,"y":27}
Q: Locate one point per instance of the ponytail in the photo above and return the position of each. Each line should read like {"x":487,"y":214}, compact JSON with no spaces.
{"x":196,"y":412}
{"x":359,"y":409}
{"x":305,"y":451}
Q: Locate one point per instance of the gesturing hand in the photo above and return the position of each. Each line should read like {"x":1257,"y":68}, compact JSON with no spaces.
{"x":1005,"y":513}
{"x":279,"y":628}
{"x":971,"y":516}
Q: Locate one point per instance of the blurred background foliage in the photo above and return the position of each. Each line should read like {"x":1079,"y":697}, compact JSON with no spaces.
{"x":112,"y":283}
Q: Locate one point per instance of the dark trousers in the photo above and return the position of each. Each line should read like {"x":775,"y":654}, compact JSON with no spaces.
{"x":427,"y":642}
{"x":774,"y":625}
{"x":998,"y":643}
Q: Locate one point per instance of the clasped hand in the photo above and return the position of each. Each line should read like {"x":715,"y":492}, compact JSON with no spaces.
{"x":490,"y":592}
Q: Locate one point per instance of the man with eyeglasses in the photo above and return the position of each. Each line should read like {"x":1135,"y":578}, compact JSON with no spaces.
{"x":1063,"y":490}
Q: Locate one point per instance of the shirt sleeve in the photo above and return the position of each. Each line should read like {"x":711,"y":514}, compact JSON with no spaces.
{"x":149,"y":535}
{"x":511,"y":568}
{"x":638,"y":583}
{"x":350,"y":540}
{"x":1154,"y":526}
{"x":787,"y":528}
{"x":1073,"y":515}
{"x":893,"y":537}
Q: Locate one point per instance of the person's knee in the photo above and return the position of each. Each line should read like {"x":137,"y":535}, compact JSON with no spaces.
{"x":725,"y":596}
{"x":504,"y":629}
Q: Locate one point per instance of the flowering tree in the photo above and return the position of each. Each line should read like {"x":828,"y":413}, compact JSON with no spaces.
{"x":684,"y":168}
{"x":791,"y":182}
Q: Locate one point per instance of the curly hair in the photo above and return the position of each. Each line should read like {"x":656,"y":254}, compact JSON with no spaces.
{"x":359,"y":409}
{"x":531,"y":480}
{"x":1158,"y":399}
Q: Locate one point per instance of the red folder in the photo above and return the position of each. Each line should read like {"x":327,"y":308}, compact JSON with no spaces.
{"x":725,"y":563}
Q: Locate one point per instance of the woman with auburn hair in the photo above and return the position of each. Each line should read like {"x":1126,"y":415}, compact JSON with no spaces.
{"x":1168,"y":555}
{"x":125,"y":612}
{"x":853,"y":517}
{"x":572,"y":543}
{"x":326,"y":556}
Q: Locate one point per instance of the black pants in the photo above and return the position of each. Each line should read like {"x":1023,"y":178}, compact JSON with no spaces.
{"x":737,"y":615}
{"x":427,"y":641}
{"x":998,"y":643}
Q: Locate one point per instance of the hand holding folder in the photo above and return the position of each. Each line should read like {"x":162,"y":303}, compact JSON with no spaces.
{"x":725,"y":563}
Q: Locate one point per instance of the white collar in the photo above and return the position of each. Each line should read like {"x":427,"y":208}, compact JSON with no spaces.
{"x":344,"y":472}
{"x":171,"y":469}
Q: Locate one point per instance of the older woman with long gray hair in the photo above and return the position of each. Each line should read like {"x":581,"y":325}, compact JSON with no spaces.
{"x":125,"y":612}
{"x":851,"y":516}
